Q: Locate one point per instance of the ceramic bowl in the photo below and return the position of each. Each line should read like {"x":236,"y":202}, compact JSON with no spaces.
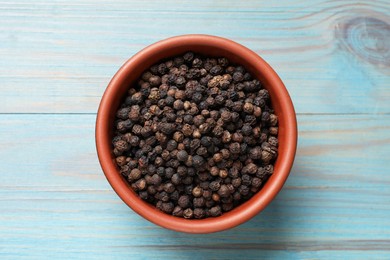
{"x":208,"y":46}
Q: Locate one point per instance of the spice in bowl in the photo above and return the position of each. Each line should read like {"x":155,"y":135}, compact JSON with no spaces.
{"x":196,"y":137}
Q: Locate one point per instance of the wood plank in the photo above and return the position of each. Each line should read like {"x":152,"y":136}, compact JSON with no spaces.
{"x":55,"y":201}
{"x":58,"y":56}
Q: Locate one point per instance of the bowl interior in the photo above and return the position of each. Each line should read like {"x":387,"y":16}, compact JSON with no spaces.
{"x":209,"y":46}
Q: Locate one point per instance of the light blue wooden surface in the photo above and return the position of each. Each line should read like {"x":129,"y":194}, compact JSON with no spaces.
{"x":56,"y":58}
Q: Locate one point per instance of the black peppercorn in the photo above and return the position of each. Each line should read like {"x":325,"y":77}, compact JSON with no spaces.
{"x":224,"y":191}
{"x":134,"y":175}
{"x":235,"y":148}
{"x":226,"y":137}
{"x":215,"y":197}
{"x":273,"y":130}
{"x":120,"y":160}
{"x":140,"y":184}
{"x":155,"y":81}
{"x":273,"y":141}
{"x":217,"y":157}
{"x":180,"y":81}
{"x":182,"y":156}
{"x":188,"y":213}
{"x":273,"y":119}
{"x":166,"y":128}
{"x":167,"y":207}
{"x":215,"y":211}
{"x":214,"y":185}
{"x":187,"y":130}
{"x":175,"y":179}
{"x":207,"y":193}
{"x":187,"y":180}
{"x":198,"y":202}
{"x":266,"y":156}
{"x":199,"y":213}
{"x":237,"y":76}
{"x":171,"y":145}
{"x":244,"y":190}
{"x":177,"y":211}
{"x":255,"y":153}
{"x":269,"y":169}
{"x":178,"y":137}
{"x":197,"y":192}
{"x":227,"y":206}
{"x":256,"y":182}
{"x":216,"y":70}
{"x":214,"y":171}
{"x":182,"y":170}
{"x":246,"y":129}
{"x":123,"y":113}
{"x":121,"y":145}
{"x":223,"y":173}
{"x":198,"y":161}
{"x":188,"y":57}
{"x":198,"y":120}
{"x":169,"y":187}
{"x":249,"y":169}
{"x":246,"y":179}
{"x":218,"y":131}
{"x":184,"y":132}
{"x":177,"y":61}
{"x":125,"y":125}
{"x":184,"y":201}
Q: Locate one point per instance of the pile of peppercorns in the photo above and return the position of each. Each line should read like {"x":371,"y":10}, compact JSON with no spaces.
{"x":196,"y":137}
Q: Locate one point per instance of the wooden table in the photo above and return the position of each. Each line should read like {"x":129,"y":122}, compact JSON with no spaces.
{"x":56,"y":59}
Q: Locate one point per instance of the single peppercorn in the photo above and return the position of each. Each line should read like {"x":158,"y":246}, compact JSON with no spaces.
{"x":207,"y":193}
{"x":187,"y":130}
{"x":182,"y":156}
{"x":273,"y":141}
{"x":273,"y":130}
{"x":223,"y":191}
{"x":214,"y":185}
{"x":266,"y":156}
{"x":216,"y":70}
{"x":188,"y":213}
{"x":235,"y":148}
{"x":134,"y":175}
{"x":255,"y":153}
{"x":215,"y":197}
{"x":198,"y":161}
{"x":184,"y":201}
{"x":223,"y":173}
{"x":199,"y":213}
{"x":171,"y":145}
{"x":198,"y":202}
{"x":269,"y":169}
{"x":123,"y":126}
{"x":256,"y":182}
{"x":167,"y":128}
{"x":177,"y":211}
{"x":215,"y":211}
{"x":246,"y":129}
{"x":197,"y":192}
{"x":218,"y":157}
{"x":120,"y":160}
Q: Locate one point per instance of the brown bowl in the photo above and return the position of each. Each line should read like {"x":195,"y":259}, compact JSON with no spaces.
{"x":208,"y":46}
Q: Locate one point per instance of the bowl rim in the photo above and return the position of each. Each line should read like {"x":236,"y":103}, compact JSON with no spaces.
{"x":241,"y":213}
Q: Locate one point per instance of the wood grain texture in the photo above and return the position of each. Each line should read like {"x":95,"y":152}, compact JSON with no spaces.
{"x":55,"y":201}
{"x":57,"y":57}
